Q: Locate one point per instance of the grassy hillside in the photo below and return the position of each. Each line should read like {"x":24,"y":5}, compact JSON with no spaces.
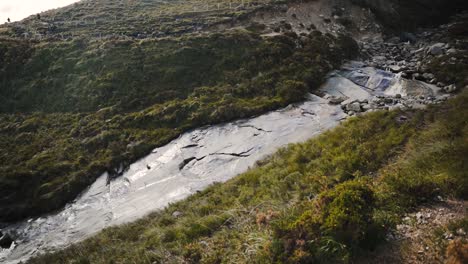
{"x":323,"y":201}
{"x":73,"y":109}
{"x":130,"y":18}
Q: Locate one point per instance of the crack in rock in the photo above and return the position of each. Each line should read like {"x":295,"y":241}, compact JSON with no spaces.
{"x":257,"y":128}
{"x":305,"y":112}
{"x":190,"y":146}
{"x":241,"y":154}
{"x":188,"y":160}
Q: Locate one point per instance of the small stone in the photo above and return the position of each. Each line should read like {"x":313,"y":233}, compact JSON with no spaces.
{"x":402,"y":118}
{"x":450,"y":88}
{"x":448,"y":236}
{"x":335,"y":100}
{"x":416,"y":76}
{"x":388,"y":101}
{"x":366,"y":107}
{"x":355,"y":107}
{"x":428,"y":76}
{"x":436,"y":49}
{"x":461,"y":232}
{"x":177,"y":214}
{"x":451,"y":51}
{"x":419,"y":215}
{"x":395,"y":68}
{"x":398,"y":96}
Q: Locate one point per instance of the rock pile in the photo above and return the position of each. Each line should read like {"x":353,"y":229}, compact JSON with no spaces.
{"x":410,"y":54}
{"x":380,"y":102}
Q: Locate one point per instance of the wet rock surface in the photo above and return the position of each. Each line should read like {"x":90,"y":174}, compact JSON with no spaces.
{"x":172,"y":172}
{"x":358,"y":88}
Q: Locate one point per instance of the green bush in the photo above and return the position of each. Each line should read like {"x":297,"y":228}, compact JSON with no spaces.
{"x":333,"y":226}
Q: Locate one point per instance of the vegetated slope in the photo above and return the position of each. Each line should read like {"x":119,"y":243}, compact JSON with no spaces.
{"x":139,"y":19}
{"x":76,"y":107}
{"x":327,"y":200}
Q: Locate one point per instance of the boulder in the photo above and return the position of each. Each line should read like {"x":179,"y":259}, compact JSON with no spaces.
{"x":366,"y":107}
{"x":334,"y":100}
{"x":354,"y":107}
{"x":450,"y":88}
{"x":395,"y":68}
{"x":451,"y":51}
{"x":436,"y":49}
{"x":428,"y":76}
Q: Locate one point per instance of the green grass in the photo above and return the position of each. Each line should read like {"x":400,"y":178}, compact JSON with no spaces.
{"x":325,"y":200}
{"x":75,"y":109}
{"x":136,"y":19}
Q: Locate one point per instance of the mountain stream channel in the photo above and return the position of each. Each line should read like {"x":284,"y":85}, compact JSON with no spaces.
{"x":200,"y":157}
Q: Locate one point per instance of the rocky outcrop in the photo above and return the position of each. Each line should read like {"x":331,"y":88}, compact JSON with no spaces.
{"x":407,"y":15}
{"x":433,"y":56}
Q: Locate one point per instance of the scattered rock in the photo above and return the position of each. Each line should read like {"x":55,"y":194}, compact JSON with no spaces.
{"x":451,"y":51}
{"x":461,"y":232}
{"x":436,"y":49}
{"x":336,"y":100}
{"x":177,"y":214}
{"x":428,"y":76}
{"x":355,"y":107}
{"x":395,"y":68}
{"x":450,"y":88}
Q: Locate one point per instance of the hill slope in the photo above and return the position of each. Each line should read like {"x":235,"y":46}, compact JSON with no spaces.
{"x":74,"y":108}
